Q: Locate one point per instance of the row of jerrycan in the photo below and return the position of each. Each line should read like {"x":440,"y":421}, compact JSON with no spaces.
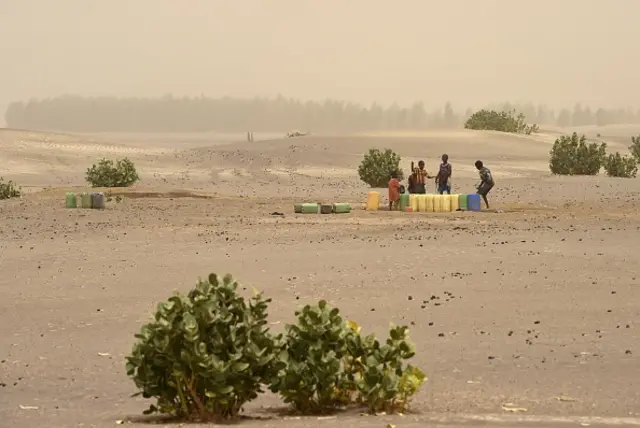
{"x":430,"y":203}
{"x":444,"y":203}
{"x":434,"y":203}
{"x":94,"y":200}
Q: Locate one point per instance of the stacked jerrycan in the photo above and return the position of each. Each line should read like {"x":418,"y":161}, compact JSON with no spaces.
{"x":434,"y":203}
{"x":373,"y":201}
{"x":405,"y":201}
{"x":96,"y":200}
{"x":315,"y":208}
{"x":341,"y":208}
{"x":463,"y":202}
{"x":428,"y":203}
{"x":474,"y":202}
{"x":70,"y":200}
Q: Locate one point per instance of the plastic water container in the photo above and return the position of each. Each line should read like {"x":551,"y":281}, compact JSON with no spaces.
{"x":85,"y":200}
{"x":463,"y":202}
{"x":429,"y":203}
{"x":446,"y":203}
{"x":70,"y":200}
{"x":422,"y":203}
{"x":310,"y":208}
{"x":455,"y":202}
{"x":474,"y":202}
{"x":326,"y":209}
{"x":437,"y":203}
{"x":404,"y":201}
{"x":373,"y":201}
{"x":297,"y":208}
{"x":413,"y":202}
{"x":342,"y":208}
{"x":98,"y":201}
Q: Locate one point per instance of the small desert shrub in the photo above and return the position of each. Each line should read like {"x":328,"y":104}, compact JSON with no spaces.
{"x":314,"y":350}
{"x":106,"y":173}
{"x":385,"y":383}
{"x":634,"y":148}
{"x":491,"y":120}
{"x":8,"y":190}
{"x":205,"y":354}
{"x":574,"y":156}
{"x":376,"y":167}
{"x":329,"y":364}
{"x":617,"y":165}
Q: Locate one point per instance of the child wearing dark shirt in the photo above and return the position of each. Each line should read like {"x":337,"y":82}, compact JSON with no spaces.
{"x":486,"y":181}
{"x":443,"y":179}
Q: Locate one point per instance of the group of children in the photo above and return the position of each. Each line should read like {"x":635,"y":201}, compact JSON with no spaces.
{"x":419,"y":175}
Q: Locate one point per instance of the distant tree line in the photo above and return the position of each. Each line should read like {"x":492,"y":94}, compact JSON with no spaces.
{"x":174,"y":114}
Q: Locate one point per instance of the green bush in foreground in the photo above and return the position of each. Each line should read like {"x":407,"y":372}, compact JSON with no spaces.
{"x":329,"y":364}
{"x":8,"y":190}
{"x":573,"y":156}
{"x":385,"y":382}
{"x":106,"y":173}
{"x":314,"y":351}
{"x":206,"y":354}
{"x":376,"y":167}
{"x":617,"y":165}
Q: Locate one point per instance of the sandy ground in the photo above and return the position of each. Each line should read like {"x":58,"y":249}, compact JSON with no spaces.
{"x":537,"y":306}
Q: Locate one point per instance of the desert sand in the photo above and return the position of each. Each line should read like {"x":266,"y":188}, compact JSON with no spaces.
{"x":534,"y":305}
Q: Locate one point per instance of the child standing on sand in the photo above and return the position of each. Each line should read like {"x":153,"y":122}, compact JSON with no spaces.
{"x":443,"y":179}
{"x":418,"y":178}
{"x":486,"y":181}
{"x":394,"y":191}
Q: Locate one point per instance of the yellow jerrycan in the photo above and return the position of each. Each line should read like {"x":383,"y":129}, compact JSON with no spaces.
{"x":413,"y":203}
{"x":446,"y":203}
{"x":437,"y":203}
{"x":455,"y":202}
{"x":373,"y":201}
{"x":429,"y":203}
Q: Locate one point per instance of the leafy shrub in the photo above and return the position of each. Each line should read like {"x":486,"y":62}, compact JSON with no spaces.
{"x":329,"y":364}
{"x":205,"y":354}
{"x":573,"y":156}
{"x":634,"y":148}
{"x":8,"y":190}
{"x":617,"y":165}
{"x":314,"y":350}
{"x":376,"y":167}
{"x":386,"y":384}
{"x":107,"y":174}
{"x":491,"y":120}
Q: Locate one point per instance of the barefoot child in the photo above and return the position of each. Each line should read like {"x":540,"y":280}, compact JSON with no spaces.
{"x":486,"y":182}
{"x":394,"y":192}
{"x":443,"y":179}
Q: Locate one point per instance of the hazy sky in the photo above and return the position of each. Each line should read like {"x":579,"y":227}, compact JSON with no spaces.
{"x":467,"y":51}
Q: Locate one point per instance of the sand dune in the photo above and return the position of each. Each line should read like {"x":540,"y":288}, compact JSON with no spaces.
{"x":313,"y":166}
{"x":532,"y":302}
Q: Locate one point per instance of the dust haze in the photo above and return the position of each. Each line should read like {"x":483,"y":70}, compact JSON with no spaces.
{"x":530,"y":306}
{"x":469,"y":53}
